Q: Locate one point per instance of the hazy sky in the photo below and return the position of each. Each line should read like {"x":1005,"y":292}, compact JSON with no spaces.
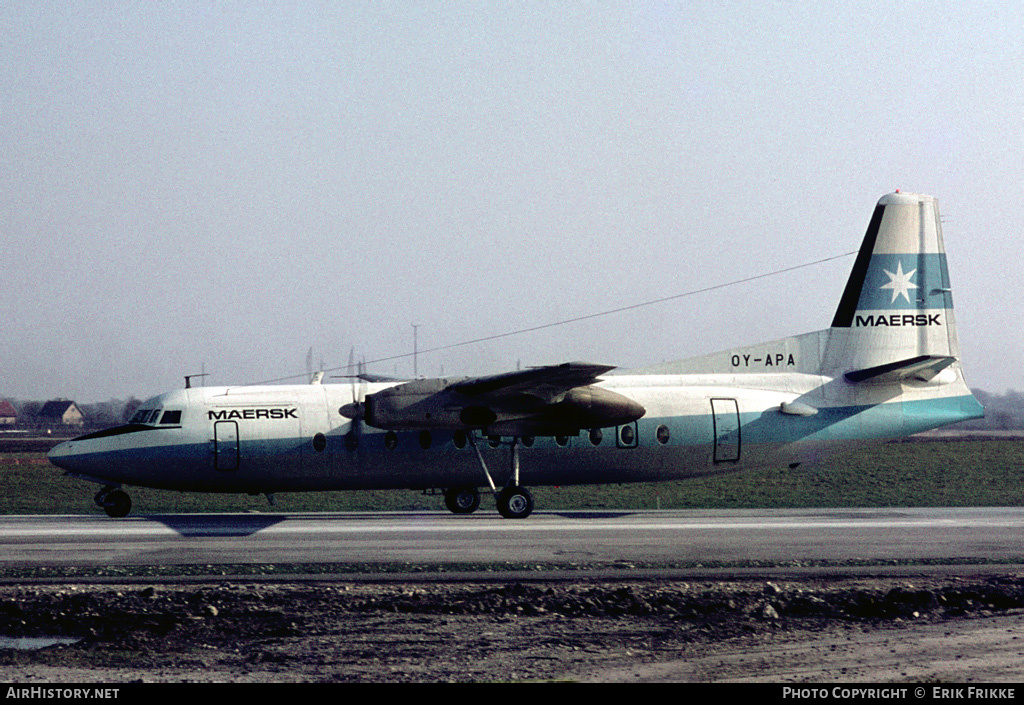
{"x":221,"y":186}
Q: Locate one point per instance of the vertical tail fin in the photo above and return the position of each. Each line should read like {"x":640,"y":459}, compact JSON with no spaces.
{"x":893,"y":336}
{"x":895,"y":319}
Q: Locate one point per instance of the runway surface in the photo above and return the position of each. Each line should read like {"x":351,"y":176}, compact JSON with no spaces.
{"x":548,"y":539}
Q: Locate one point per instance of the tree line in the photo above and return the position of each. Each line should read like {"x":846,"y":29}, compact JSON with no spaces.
{"x":101,"y":414}
{"x":1003,"y":412}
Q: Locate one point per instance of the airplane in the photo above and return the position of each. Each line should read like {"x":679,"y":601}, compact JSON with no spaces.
{"x":888,"y":366}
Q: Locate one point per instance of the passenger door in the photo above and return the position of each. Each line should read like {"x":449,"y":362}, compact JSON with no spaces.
{"x":726,"y":413}
{"x":225,"y":445}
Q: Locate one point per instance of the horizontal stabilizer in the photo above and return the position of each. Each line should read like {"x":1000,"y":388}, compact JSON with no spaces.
{"x":922,"y":367}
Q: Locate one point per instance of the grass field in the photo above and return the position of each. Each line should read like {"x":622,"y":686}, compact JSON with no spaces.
{"x":923,"y":474}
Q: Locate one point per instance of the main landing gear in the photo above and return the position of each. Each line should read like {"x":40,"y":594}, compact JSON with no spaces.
{"x":462,"y":500}
{"x":116,"y":503}
{"x":514,"y":501}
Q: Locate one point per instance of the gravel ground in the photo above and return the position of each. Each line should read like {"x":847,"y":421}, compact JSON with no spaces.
{"x":958,"y":629}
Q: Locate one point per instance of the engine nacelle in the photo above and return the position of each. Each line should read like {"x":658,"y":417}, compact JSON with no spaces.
{"x":595,"y":407}
{"x":420,"y":404}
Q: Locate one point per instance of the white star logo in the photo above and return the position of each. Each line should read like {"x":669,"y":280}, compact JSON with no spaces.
{"x":900,"y":282}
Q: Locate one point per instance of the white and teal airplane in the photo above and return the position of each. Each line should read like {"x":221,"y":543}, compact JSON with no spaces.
{"x":889,"y":366}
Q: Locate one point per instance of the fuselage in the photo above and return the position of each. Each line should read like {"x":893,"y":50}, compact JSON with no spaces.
{"x":298,"y":438}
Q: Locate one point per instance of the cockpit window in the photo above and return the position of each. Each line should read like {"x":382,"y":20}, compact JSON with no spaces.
{"x":173,"y":416}
{"x":150,"y":416}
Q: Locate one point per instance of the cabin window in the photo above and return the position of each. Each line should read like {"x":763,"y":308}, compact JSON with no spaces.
{"x":562,"y":440}
{"x":351,"y":441}
{"x":459,"y":439}
{"x":527,"y":441}
{"x":663,"y":435}
{"x":626,"y":435}
{"x":595,"y":436}
{"x":390,"y":440}
{"x":494,"y":441}
{"x":319,"y":442}
{"x":173,"y":416}
{"x":425,"y":440}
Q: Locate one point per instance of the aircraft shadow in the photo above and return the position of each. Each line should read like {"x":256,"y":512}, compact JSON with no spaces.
{"x":197,"y":525}
{"x":610,"y":514}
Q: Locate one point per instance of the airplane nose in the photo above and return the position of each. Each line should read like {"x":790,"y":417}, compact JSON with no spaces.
{"x":60,"y":454}
{"x":88,"y":458}
{"x":72,"y":456}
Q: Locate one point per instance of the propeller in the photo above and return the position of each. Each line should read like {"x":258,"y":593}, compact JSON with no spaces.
{"x":354,"y":409}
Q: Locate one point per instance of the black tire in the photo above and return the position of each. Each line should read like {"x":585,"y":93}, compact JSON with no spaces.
{"x":462,"y":500}
{"x":515,"y":503}
{"x":117,"y":504}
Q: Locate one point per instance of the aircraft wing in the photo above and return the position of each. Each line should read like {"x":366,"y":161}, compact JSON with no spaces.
{"x":546,"y":382}
{"x":550,"y":400}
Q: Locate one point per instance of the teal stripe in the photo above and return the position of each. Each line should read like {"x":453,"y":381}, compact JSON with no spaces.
{"x":844,"y":423}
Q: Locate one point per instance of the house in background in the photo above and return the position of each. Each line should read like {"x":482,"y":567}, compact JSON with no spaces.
{"x":61,"y":412}
{"x":8,"y":414}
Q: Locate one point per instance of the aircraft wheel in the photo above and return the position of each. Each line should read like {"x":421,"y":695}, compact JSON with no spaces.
{"x":117,"y":504}
{"x":462,"y":500}
{"x":515,"y":503}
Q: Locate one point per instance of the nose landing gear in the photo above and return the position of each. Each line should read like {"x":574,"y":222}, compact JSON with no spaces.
{"x":116,"y":503}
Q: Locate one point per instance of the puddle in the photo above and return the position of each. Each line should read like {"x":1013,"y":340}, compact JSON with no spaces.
{"x":30,"y":643}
